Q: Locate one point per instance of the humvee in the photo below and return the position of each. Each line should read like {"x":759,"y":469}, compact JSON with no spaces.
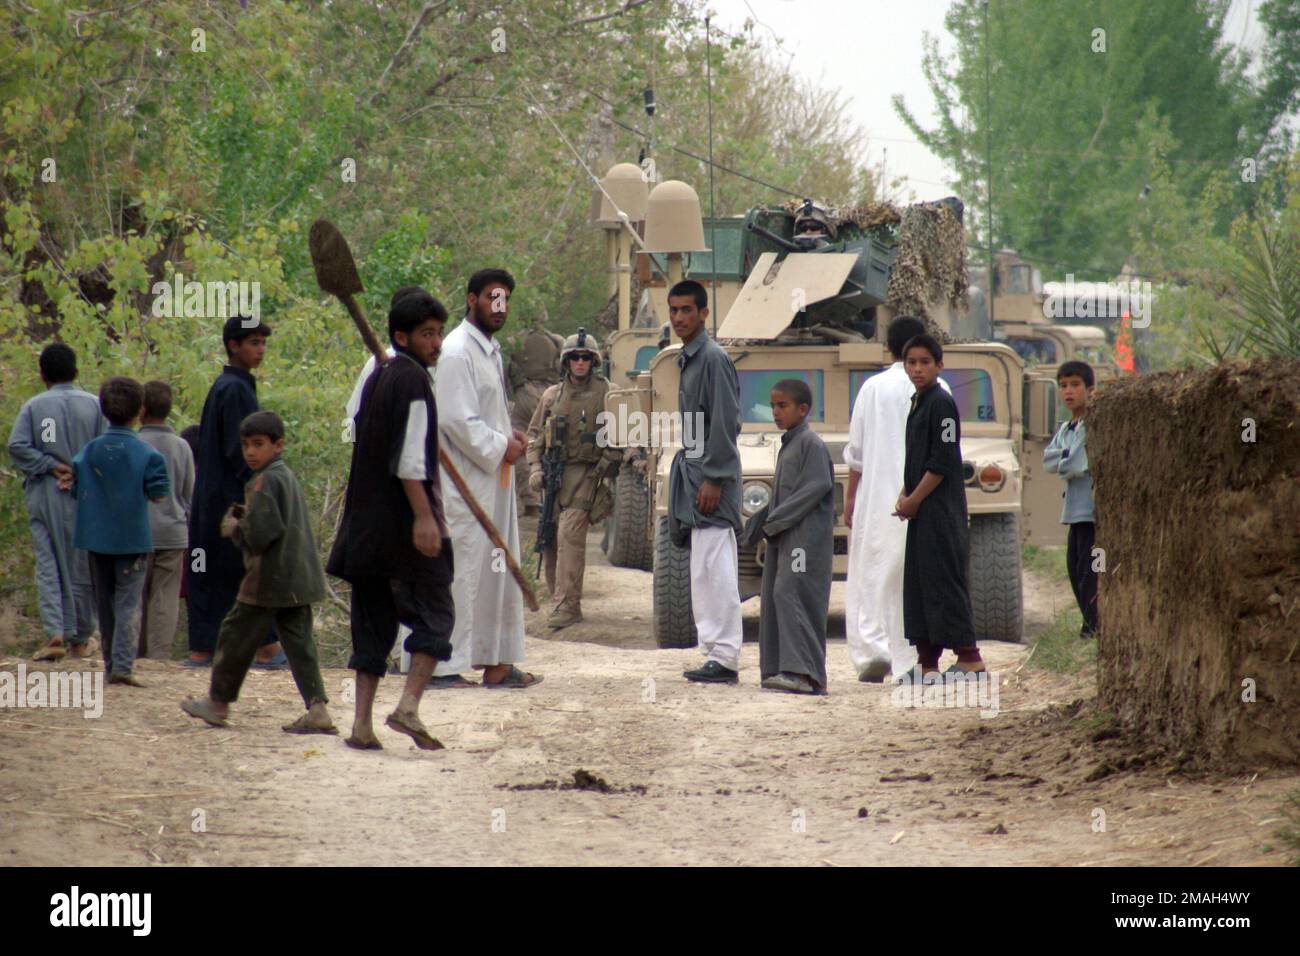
{"x":836,"y":344}
{"x":986,"y":383}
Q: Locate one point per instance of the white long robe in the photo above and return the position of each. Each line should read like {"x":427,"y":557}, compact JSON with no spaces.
{"x":873,"y":593}
{"x":474,"y":427}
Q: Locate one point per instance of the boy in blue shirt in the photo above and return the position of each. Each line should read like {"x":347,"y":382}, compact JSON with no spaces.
{"x":1067,"y":457}
{"x":114,"y":478}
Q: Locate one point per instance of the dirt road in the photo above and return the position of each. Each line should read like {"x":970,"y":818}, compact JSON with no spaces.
{"x":695,"y":774}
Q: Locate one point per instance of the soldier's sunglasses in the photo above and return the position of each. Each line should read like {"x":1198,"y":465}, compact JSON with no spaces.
{"x":582,"y":356}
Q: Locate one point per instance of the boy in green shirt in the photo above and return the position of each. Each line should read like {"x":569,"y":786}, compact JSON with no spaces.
{"x":282,"y":578}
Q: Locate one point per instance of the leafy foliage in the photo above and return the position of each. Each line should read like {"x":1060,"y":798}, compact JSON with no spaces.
{"x":140,"y":139}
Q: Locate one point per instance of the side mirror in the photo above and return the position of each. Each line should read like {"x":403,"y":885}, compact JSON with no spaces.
{"x":1040,"y":408}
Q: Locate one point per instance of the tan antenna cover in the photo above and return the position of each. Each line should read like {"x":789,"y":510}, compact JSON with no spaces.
{"x":672,"y":221}
{"x":627,"y":187}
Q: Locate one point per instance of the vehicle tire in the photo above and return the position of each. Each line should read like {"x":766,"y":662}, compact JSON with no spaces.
{"x":996,"y":585}
{"x":674,"y":623}
{"x":626,"y":543}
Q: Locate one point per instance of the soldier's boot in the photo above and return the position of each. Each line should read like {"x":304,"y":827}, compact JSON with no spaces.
{"x":564,"y":615}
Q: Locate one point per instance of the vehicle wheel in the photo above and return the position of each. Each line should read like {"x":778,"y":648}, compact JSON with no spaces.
{"x":626,"y":543}
{"x":674,"y":622}
{"x":996,"y":585}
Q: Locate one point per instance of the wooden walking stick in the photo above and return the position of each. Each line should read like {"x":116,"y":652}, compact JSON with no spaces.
{"x":336,"y":274}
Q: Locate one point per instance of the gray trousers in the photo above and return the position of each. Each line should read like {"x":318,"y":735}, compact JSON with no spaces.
{"x":119,"y":591}
{"x":63,"y":584}
{"x":162,"y":604}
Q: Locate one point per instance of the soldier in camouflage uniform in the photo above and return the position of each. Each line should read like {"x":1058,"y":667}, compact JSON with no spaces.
{"x":585,"y":493}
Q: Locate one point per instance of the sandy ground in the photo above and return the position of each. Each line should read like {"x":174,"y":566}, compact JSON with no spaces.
{"x":695,"y":774}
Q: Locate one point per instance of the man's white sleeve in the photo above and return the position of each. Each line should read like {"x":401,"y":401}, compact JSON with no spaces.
{"x":413,"y":464}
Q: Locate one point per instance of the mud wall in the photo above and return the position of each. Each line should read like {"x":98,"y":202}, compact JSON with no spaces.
{"x":1200,"y":526}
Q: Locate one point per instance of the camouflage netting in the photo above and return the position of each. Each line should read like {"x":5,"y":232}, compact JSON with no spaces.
{"x":930,"y":265}
{"x":1200,"y":599}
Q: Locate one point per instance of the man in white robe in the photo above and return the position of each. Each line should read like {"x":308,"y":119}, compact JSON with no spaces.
{"x":873,"y":593}
{"x":474,"y":425}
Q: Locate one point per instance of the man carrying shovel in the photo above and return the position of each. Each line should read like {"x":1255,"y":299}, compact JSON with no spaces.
{"x":392,"y":543}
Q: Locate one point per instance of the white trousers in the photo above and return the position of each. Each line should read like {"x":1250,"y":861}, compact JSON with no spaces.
{"x":873,"y":612}
{"x":715,"y":594}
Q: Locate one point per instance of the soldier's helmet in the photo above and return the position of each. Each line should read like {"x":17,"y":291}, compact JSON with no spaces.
{"x":813,"y":223}
{"x":581,"y":341}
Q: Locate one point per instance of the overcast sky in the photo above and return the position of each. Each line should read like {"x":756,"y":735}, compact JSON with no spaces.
{"x":871,"y":49}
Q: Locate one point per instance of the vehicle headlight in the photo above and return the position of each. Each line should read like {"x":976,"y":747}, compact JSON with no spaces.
{"x":754,"y":497}
{"x":992,"y":478}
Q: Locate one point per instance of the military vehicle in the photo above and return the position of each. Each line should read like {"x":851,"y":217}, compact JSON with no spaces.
{"x":805,"y":296}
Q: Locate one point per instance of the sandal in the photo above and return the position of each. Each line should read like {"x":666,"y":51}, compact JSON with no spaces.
{"x":515,"y":679}
{"x":202,"y":709}
{"x":410,"y":725}
{"x":51,"y":652}
{"x":357,"y":743}
{"x":301,"y":726}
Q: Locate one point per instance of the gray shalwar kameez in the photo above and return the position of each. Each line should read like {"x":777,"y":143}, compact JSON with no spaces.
{"x":51,"y":428}
{"x":799,"y":525}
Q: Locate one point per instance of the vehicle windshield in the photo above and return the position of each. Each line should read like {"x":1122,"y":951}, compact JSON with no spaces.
{"x":756,"y":392}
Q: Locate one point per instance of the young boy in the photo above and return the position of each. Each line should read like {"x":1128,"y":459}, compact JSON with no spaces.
{"x":936,"y":599}
{"x":114,"y":479}
{"x":49,"y":431}
{"x":169,"y":524}
{"x":281,"y":580}
{"x":392,"y":544}
{"x":799,"y":524}
{"x":219,"y":478}
{"x":1067,"y":457}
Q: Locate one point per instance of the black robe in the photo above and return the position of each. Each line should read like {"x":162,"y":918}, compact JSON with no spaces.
{"x":219,"y":477}
{"x":375,"y":532}
{"x":936,"y":599}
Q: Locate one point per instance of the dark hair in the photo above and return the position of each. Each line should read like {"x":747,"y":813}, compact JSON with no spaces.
{"x":901,"y":331}
{"x":267,"y":424}
{"x":120,"y":399}
{"x":58,"y":363}
{"x":237,"y":328}
{"x":157,"y":399}
{"x":693,"y":289}
{"x":413,"y":310}
{"x":190,"y":434}
{"x":927,"y":342}
{"x":1076,"y":368}
{"x":486,"y":277}
{"x":402,"y":293}
{"x":797,"y":389}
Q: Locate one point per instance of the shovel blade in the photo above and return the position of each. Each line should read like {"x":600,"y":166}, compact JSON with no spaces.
{"x":336,"y":272}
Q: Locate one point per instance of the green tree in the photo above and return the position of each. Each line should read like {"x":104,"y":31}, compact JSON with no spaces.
{"x":1068,"y":86}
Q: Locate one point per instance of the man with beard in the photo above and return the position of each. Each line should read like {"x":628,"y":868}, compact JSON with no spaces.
{"x":474,"y":425}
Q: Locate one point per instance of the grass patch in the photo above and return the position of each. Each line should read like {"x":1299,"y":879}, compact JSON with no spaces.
{"x":1059,"y":649}
{"x":1289,"y":835}
{"x":1049,"y":561}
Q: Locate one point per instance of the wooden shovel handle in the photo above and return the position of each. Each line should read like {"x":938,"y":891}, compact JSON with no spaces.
{"x":367,"y":333}
{"x":515,"y":571}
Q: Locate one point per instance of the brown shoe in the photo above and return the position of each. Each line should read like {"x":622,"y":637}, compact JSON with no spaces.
{"x":129,"y":679}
